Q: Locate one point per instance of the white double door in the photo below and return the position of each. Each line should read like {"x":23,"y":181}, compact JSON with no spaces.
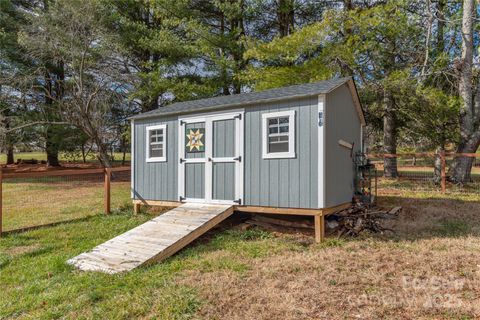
{"x":211,"y":158}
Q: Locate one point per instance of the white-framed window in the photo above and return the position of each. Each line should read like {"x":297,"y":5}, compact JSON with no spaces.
{"x":278,"y":134}
{"x":157,"y":143}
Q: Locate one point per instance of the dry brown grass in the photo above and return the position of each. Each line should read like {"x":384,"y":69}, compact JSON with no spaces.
{"x":429,"y":270}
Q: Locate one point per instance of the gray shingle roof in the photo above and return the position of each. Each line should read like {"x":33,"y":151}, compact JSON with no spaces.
{"x":243,"y":99}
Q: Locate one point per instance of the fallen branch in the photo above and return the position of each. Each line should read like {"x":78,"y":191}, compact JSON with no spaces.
{"x":359,"y":219}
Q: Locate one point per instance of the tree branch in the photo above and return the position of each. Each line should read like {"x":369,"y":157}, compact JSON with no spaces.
{"x":31,"y":124}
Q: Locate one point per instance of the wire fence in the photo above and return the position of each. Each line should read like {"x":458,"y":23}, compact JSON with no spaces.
{"x":428,"y":171}
{"x":34,"y":199}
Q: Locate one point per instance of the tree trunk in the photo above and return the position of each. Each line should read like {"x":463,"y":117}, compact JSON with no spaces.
{"x":104,"y":159}
{"x":469,"y":134}
{"x":51,"y":141}
{"x":440,"y":26}
{"x":10,"y":157}
{"x":102,"y":153}
{"x":285,"y":17}
{"x":124,"y":148}
{"x":84,"y":157}
{"x":51,"y":147}
{"x":389,"y":138}
{"x":437,"y":166}
{"x":461,"y":168}
{"x":8,"y":139}
{"x":52,"y":157}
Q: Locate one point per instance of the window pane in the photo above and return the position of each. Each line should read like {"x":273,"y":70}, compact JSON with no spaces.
{"x":154,"y":153}
{"x":283,"y":120}
{"x":272,"y":139}
{"x":156,"y":143}
{"x":277,"y":139}
{"x":272,"y":121}
{"x":156,"y":135}
{"x":273,"y":130}
{"x":278,"y":147}
{"x":284,"y":129}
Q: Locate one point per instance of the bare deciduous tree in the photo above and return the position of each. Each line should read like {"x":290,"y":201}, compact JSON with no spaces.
{"x":72,"y":33}
{"x":470,"y":110}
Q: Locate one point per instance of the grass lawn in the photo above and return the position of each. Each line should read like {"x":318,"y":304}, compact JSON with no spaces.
{"x":429,"y":269}
{"x":427,"y":188}
{"x":30,"y":202}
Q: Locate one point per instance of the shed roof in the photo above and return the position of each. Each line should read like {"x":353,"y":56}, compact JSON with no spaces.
{"x":243,"y":99}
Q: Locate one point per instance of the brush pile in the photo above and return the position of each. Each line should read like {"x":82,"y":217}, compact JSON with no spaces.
{"x":358,"y":218}
{"x":349,"y":222}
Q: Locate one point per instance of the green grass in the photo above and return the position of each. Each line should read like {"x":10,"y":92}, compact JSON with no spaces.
{"x":31,"y":202}
{"x":453,"y":228}
{"x":427,"y":189}
{"x":227,"y":272}
{"x":37,"y":283}
{"x":62,"y":157}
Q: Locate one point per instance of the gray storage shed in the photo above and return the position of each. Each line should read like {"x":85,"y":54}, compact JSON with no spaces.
{"x":286,"y":148}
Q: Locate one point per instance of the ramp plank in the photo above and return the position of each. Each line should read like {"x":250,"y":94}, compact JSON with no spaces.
{"x":153,"y":241}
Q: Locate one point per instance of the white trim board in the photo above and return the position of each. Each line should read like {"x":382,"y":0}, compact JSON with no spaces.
{"x":291,"y":135}
{"x":163,"y":158}
{"x":321,"y":125}
{"x":189,"y":118}
{"x":208,"y":159}
{"x":132,"y":159}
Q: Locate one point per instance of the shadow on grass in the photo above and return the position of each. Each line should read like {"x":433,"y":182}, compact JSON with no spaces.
{"x":421,"y":218}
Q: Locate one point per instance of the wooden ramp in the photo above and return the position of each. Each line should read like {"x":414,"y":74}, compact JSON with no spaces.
{"x":154,"y":240}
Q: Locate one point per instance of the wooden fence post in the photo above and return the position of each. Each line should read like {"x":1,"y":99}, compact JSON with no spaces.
{"x":108,"y":174}
{"x":443,"y":171}
{"x":1,"y":201}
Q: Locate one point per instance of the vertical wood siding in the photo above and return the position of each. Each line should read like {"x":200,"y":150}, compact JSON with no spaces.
{"x":342,"y":122}
{"x":283,"y":182}
{"x":195,"y":180}
{"x":223,"y":181}
{"x":224,"y":138}
{"x":156,"y":180}
{"x":268,"y":182}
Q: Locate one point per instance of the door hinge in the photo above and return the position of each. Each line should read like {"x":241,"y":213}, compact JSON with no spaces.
{"x":238,"y":116}
{"x":182,"y":122}
{"x":239,"y":201}
{"x":181,"y":198}
{"x":239,"y":159}
{"x":182,"y":160}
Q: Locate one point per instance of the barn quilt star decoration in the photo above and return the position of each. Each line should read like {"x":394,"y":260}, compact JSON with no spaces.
{"x":195,"y":140}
